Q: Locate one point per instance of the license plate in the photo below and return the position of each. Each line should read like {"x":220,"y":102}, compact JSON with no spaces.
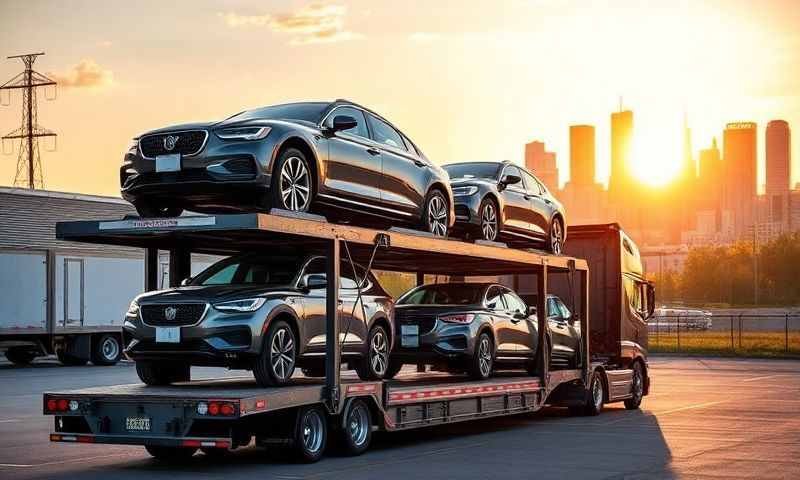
{"x":168,"y":163}
{"x":409,"y":335}
{"x":168,"y":334}
{"x":137,"y":424}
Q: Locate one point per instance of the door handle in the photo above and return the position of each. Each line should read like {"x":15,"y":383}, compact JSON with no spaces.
{"x":373,"y":151}
{"x":527,"y":197}
{"x":419,"y":163}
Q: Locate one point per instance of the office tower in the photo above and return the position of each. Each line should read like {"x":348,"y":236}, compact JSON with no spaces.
{"x":779,"y":164}
{"x":739,"y":165}
{"x":619,"y":182}
{"x":581,"y":154}
{"x":543,"y":164}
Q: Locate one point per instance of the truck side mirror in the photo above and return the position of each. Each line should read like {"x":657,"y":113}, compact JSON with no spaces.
{"x":651,"y":300}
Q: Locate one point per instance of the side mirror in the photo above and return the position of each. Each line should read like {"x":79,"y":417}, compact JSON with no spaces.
{"x":509,"y":180}
{"x":316,"y":281}
{"x":520,"y":315}
{"x":531,"y":310}
{"x":343,"y":122}
{"x":651,"y":300}
{"x":186,"y":281}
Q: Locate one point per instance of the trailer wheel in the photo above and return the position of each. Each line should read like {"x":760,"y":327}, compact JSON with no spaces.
{"x":20,"y":356}
{"x":637,"y":388}
{"x":596,"y":397}
{"x":70,"y":360}
{"x":376,"y":359}
{"x":106,"y":350}
{"x":152,"y":373}
{"x":275,"y":365}
{"x":481,"y":363}
{"x":310,"y":433}
{"x":357,"y":428}
{"x":170,"y":454}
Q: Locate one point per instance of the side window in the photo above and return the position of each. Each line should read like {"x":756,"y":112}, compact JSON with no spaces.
{"x":512,"y":170}
{"x":633,"y":291}
{"x":410,"y":146}
{"x":552,"y":308}
{"x":494,"y":299}
{"x":534,"y":186}
{"x":514,"y":303}
{"x":384,"y":134}
{"x":565,"y":313}
{"x":359,"y":130}
{"x":314,"y":267}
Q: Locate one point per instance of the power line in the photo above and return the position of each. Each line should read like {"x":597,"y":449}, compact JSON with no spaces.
{"x":29,"y":165}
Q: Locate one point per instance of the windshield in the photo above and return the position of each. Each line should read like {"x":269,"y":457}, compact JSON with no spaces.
{"x":444,"y":294}
{"x":251,"y":269}
{"x":473,"y":170}
{"x":308,"y":111}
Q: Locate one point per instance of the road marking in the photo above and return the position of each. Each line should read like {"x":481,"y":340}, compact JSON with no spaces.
{"x":689,"y":407}
{"x":73,"y":460}
{"x":754,"y":379}
{"x":10,"y":420}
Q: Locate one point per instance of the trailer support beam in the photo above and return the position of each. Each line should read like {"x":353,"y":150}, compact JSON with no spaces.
{"x":180,"y":266}
{"x":151,"y":269}
{"x":541,"y":316}
{"x":332,"y":344}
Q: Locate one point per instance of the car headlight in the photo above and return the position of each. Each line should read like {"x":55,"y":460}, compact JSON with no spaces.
{"x":133,"y":146}
{"x":243,"y":133}
{"x":133,"y":309}
{"x":246,"y":305}
{"x":465,"y":191}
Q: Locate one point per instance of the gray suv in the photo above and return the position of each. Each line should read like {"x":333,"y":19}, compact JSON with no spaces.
{"x":263,"y":312}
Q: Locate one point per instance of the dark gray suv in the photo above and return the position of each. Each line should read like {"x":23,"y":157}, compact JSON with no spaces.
{"x":259,"y":311}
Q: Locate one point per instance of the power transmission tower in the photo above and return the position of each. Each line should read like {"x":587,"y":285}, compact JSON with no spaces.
{"x":29,"y":164}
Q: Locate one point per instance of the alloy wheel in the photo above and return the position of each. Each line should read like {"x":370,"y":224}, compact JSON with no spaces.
{"x":485,"y":356}
{"x":489,"y":222}
{"x":379,"y":353}
{"x":556,"y":237}
{"x":437,"y":216}
{"x":282,"y":354}
{"x":295,"y":185}
{"x":597,"y":393}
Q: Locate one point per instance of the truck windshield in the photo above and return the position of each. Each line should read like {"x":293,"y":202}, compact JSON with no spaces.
{"x":306,"y":111}
{"x":444,"y":294}
{"x":473,"y":170}
{"x":252,"y":269}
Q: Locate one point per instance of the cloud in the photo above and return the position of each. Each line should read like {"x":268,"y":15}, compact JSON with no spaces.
{"x":86,"y":74}
{"x":315,"y":23}
{"x":423,"y":36}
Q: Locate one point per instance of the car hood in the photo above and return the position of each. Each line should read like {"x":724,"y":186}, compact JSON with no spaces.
{"x":213,"y":293}
{"x":462,"y":182}
{"x":181,"y":126}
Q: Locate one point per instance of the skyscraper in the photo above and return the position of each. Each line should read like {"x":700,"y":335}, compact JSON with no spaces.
{"x":581,"y":154}
{"x":779,"y":164}
{"x":621,"y":151}
{"x":739,"y":160}
{"x":709,"y":182}
{"x":543,"y":164}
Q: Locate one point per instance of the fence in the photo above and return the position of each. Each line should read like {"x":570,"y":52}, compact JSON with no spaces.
{"x":745,"y":334}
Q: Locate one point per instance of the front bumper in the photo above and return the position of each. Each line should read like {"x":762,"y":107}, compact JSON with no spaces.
{"x":467,"y":212}
{"x":444,"y":342}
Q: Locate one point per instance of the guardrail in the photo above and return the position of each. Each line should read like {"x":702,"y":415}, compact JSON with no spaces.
{"x":742,"y":333}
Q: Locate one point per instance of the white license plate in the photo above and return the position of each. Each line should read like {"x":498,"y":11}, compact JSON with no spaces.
{"x":409,"y":335}
{"x":137,"y":424}
{"x":168,"y":334}
{"x":168,"y":163}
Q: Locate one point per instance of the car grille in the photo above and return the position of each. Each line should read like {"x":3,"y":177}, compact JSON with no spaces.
{"x":189,"y":143}
{"x":426,"y":323}
{"x":185,"y":314}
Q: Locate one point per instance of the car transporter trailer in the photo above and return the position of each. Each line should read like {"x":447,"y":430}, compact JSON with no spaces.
{"x":221,"y":414}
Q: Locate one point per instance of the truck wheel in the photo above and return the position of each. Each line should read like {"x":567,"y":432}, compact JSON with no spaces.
{"x":275,"y":365}
{"x":481,"y":363}
{"x":151,"y":373}
{"x":637,"y":388}
{"x":20,"y":356}
{"x":70,"y":360}
{"x":170,"y":454}
{"x":376,"y":358}
{"x":594,"y":403}
{"x":106,"y":350}
{"x":310,"y":433}
{"x":357,"y":428}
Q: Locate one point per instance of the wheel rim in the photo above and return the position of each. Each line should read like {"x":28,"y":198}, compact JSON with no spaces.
{"x":597,"y":394}
{"x":638,"y":387}
{"x":556,"y":237}
{"x":312,"y":431}
{"x":295,"y":184}
{"x":489,"y":222}
{"x":437,"y":216}
{"x":110,"y":348}
{"x":379,"y":353}
{"x":358,"y":425}
{"x":282,"y":354}
{"x":485,"y":356}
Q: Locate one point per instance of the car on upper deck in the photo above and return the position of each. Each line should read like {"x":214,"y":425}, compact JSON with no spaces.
{"x":335,"y":158}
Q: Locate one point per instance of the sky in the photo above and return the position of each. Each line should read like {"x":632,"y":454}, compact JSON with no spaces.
{"x":466,"y":80}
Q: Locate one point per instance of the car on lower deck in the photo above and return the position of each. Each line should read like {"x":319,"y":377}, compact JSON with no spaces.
{"x":335,"y":158}
{"x":263,"y":312}
{"x":500,"y":201}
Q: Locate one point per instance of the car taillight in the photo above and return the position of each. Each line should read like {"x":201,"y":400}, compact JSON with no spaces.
{"x":52,"y":405}
{"x":62,"y":405}
{"x":463,"y":318}
{"x":216,"y":408}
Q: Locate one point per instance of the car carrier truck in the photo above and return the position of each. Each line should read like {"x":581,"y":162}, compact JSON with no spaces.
{"x":217,"y":415}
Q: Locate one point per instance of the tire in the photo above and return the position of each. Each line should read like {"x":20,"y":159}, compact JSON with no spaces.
{"x":596,"y":395}
{"x":20,"y":356}
{"x":393,"y":370}
{"x":555,"y":243}
{"x":482,"y":360}
{"x":278,"y":358}
{"x":147,"y":210}
{"x":490,"y":220}
{"x":310,"y":434}
{"x":637,"y":387}
{"x":151,"y":373}
{"x":376,"y":359}
{"x":170,"y":454}
{"x":70,"y":360}
{"x":106,"y":350}
{"x":356,"y":433}
{"x":293,"y":183}
{"x":436,"y":214}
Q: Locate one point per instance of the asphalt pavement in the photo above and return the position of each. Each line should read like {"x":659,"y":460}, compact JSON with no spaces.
{"x":705,"y":418}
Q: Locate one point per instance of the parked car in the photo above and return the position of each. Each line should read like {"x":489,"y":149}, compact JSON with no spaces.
{"x":336,"y":158}
{"x":665,"y":319}
{"x":500,"y":201}
{"x":258,"y":311}
{"x":473,"y":327}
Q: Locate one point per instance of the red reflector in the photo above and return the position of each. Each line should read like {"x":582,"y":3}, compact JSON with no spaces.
{"x":52,"y":405}
{"x":261,"y":404}
{"x":191,"y":443}
{"x":63,"y":404}
{"x":55,"y":438}
{"x":213,"y":408}
{"x":84,"y":439}
{"x":223,"y":445}
{"x":227,"y":409}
